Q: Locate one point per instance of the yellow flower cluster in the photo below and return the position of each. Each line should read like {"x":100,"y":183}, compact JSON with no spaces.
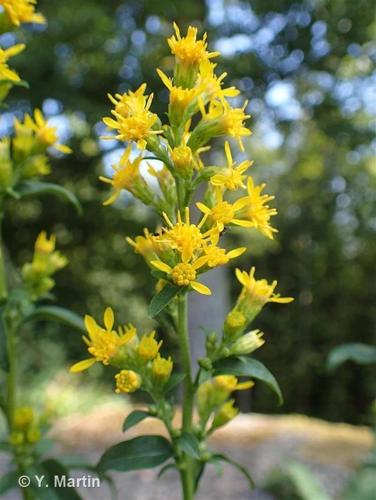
{"x":46,"y":262}
{"x":21,"y":11}
{"x":212,"y":399}
{"x":138,"y":357}
{"x":24,"y":156}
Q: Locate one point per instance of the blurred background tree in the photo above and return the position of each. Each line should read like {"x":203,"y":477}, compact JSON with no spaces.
{"x":307,"y":70}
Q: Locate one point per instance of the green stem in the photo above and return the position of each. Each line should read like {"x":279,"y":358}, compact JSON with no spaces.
{"x":185,"y":350}
{"x":3,"y":283}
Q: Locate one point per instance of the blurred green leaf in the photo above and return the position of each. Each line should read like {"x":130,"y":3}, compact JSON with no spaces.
{"x":359,"y":353}
{"x":58,"y":314}
{"x":240,"y":467}
{"x":173,"y":381}
{"x":35,"y":188}
{"x":8,"y":481}
{"x":4,"y":361}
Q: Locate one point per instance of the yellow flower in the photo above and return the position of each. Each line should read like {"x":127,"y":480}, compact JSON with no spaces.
{"x":257,"y":211}
{"x":5,"y":72}
{"x":182,"y":157}
{"x":180,"y":100}
{"x":188,"y":50}
{"x":148,"y":347}
{"x":211,"y":84}
{"x":219,"y":119}
{"x":235,"y":324}
{"x":133,"y":119}
{"x":229,"y":383}
{"x":224,"y":213}
{"x":44,"y":133}
{"x":45,"y":245}
{"x":225,"y":413}
{"x":184,"y":237}
{"x":184,"y":273}
{"x":258,"y":291}
{"x":232,"y":177}
{"x":162,"y":368}
{"x":218,"y":256}
{"x":103,"y":343}
{"x":127,"y":381}
{"x":22,"y":11}
{"x":127,"y":176}
{"x":146,"y":245}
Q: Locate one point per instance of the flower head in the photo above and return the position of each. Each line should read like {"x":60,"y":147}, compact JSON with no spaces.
{"x":5,"y":72}
{"x":257,"y":211}
{"x":22,"y":11}
{"x":103,"y":343}
{"x":247,"y":343}
{"x":232,"y":176}
{"x":223,"y":213}
{"x":226,"y":412}
{"x":148,"y":347}
{"x":127,"y":381}
{"x":255,"y":294}
{"x":127,"y":176}
{"x":188,"y":50}
{"x":133,"y":119}
{"x":162,"y":368}
{"x":37,"y":128}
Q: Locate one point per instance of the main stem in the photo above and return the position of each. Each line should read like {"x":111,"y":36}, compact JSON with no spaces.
{"x":185,"y":350}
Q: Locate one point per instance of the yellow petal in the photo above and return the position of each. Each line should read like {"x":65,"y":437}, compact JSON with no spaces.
{"x":236,"y":252}
{"x":240,"y":275}
{"x":109,"y":318}
{"x":203,"y":208}
{"x":90,"y":325}
{"x":16,"y":49}
{"x":63,"y":148}
{"x":115,"y":195}
{"x":161,"y":266}
{"x":242,"y":223}
{"x":82,"y":365}
{"x":244,"y":385}
{"x":200,"y":288}
{"x":281,"y":300}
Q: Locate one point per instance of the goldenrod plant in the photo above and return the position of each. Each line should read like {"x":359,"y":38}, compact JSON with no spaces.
{"x":178,"y":253}
{"x":25,"y":294}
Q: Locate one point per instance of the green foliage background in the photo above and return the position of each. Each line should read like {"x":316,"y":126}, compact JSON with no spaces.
{"x":314,"y":150}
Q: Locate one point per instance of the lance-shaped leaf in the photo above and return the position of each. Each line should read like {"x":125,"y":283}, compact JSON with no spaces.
{"x":56,"y":474}
{"x":32,"y":188}
{"x":241,"y":468}
{"x":134,"y":418}
{"x":58,"y":314}
{"x":249,"y":367}
{"x":144,"y":452}
{"x":163,"y":298}
{"x":358,"y":353}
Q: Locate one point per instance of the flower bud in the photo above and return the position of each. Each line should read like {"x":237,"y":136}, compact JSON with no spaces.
{"x":127,"y":381}
{"x":23,"y":417}
{"x":234,"y":324}
{"x":148,"y":347}
{"x":161,"y":369}
{"x":183,"y":160}
{"x":33,"y":435}
{"x":247,"y":343}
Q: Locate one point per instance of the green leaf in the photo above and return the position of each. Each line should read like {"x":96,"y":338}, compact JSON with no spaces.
{"x":32,"y":188}
{"x":4,"y":361}
{"x":238,"y":466}
{"x":249,"y":367}
{"x":163,"y":298}
{"x":59,"y":314}
{"x":173,"y":381}
{"x":362,"y":486}
{"x":8,"y":481}
{"x":189,"y":444}
{"x":134,"y":418}
{"x":359,"y":353}
{"x":144,"y":452}
{"x":166,"y":468}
